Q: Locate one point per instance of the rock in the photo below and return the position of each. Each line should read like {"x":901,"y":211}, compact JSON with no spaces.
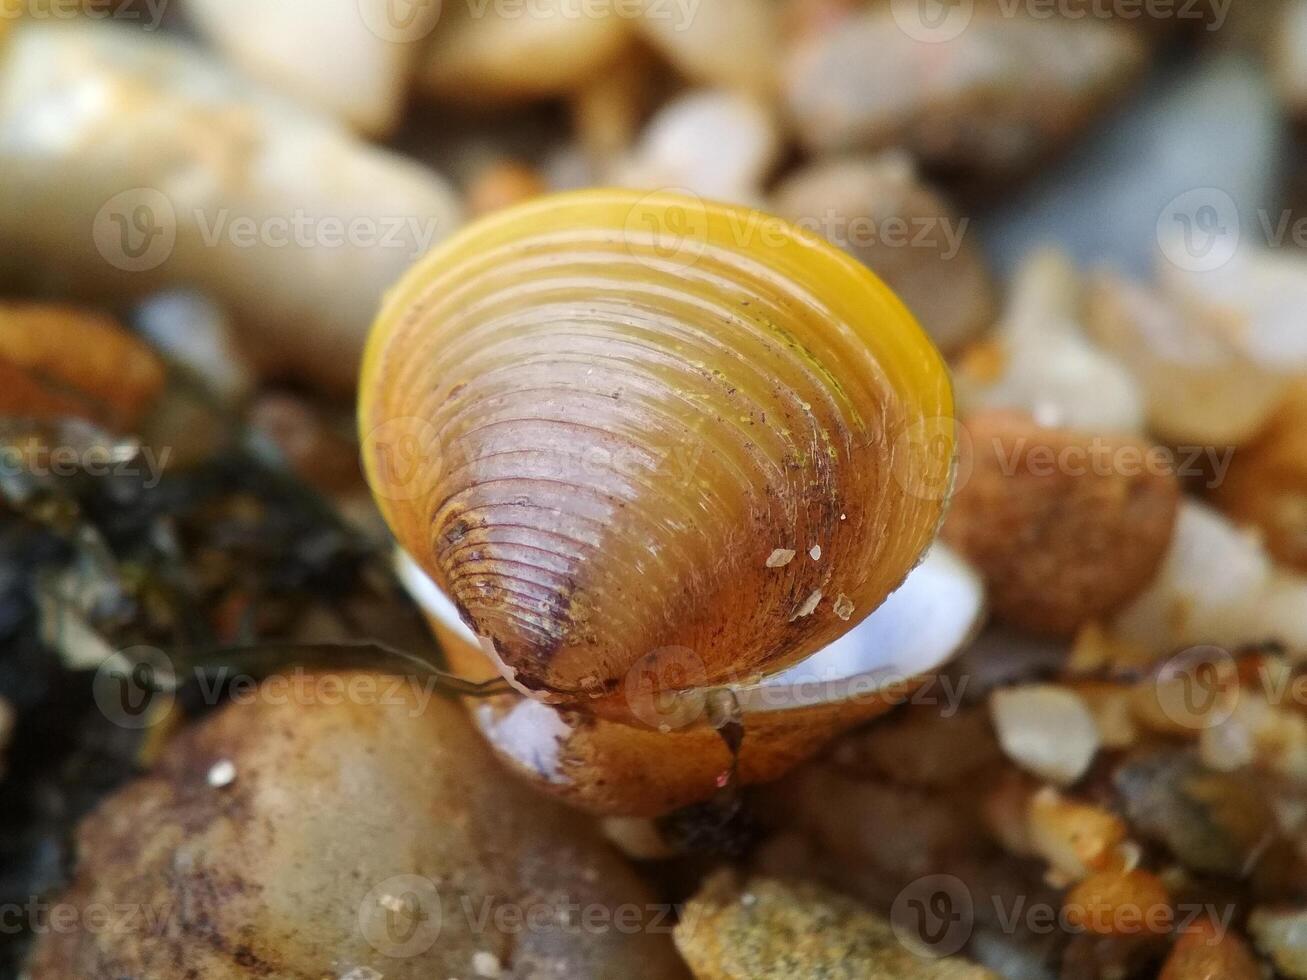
{"x":178,"y":172}
{"x":1216,"y":586}
{"x":1282,"y":935}
{"x":1046,"y":729}
{"x":1042,"y":362}
{"x":1066,"y":527}
{"x":731,"y":43}
{"x":1212,"y":822}
{"x":713,"y":143}
{"x":1206,"y":950}
{"x":985,"y":101}
{"x":1266,"y":485}
{"x":509,"y":53}
{"x":350,"y":58}
{"x":878,"y":211}
{"x":190,"y":330}
{"x":362,"y":829}
{"x":61,"y":361}
{"x":1106,"y":202}
{"x":766,"y":929}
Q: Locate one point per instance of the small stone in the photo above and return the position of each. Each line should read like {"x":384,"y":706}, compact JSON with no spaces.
{"x":780,"y":557}
{"x":815,"y":553}
{"x":222,"y":773}
{"x":809,"y":605}
{"x":1212,"y":822}
{"x":1045,"y":729}
{"x":766,"y":929}
{"x":486,"y":964}
{"x":1208,"y":950}
{"x":843,"y":606}
{"x":1077,"y":839}
{"x":1282,"y":935}
{"x":503,"y":184}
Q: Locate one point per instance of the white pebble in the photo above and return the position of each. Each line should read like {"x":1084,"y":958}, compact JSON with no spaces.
{"x":1045,"y":729}
{"x":486,"y":964}
{"x":222,"y":773}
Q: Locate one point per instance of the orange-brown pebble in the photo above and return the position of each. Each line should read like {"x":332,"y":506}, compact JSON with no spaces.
{"x":1206,"y":951}
{"x":1266,"y":484}
{"x":1065,"y":526}
{"x":501,"y":185}
{"x":58,"y":361}
{"x":1076,"y":838}
{"x":1120,"y":903}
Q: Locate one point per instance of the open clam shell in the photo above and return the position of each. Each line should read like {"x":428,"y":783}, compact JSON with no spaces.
{"x":673,"y":756}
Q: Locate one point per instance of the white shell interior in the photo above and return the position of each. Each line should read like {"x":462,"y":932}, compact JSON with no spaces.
{"x":931,"y":616}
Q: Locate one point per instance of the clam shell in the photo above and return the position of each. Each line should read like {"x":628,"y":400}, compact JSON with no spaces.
{"x":672,"y":755}
{"x":593,"y":418}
